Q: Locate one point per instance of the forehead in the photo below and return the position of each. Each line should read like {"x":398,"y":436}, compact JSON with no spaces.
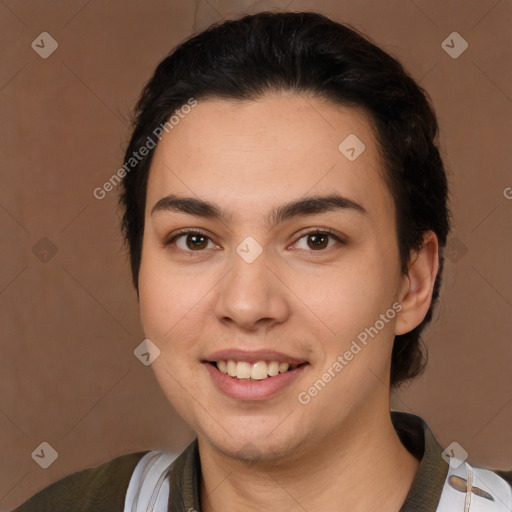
{"x":245,"y":155}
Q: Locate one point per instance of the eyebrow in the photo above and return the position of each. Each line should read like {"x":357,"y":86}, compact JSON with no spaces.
{"x":312,"y":205}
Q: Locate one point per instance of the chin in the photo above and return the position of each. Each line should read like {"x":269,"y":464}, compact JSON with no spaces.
{"x":254,"y":444}
{"x":249,"y":452}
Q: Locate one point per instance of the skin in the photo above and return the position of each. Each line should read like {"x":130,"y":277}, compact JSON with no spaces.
{"x":339,"y":451}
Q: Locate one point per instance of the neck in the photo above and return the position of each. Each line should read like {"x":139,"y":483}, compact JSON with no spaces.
{"x":363,"y":467}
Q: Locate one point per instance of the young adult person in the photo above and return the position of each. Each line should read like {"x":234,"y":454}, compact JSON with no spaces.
{"x":286,"y":224}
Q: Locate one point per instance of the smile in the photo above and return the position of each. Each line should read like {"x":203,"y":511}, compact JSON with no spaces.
{"x":260,"y":380}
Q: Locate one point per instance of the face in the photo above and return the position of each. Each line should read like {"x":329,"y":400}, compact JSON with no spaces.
{"x":264,"y":244}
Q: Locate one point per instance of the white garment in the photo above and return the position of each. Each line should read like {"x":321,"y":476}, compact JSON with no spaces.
{"x":466,"y":489}
{"x":469,"y":489}
{"x":148,"y":490}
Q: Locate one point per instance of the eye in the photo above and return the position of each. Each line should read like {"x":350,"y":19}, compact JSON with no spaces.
{"x":191,"y":241}
{"x":318,"y":240}
{"x":196,"y":241}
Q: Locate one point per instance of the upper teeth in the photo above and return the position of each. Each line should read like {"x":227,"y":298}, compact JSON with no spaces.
{"x":257,"y":371}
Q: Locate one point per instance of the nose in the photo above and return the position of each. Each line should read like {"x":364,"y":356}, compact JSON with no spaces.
{"x":251,"y":296}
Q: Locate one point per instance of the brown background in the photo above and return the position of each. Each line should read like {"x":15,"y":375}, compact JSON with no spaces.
{"x":69,"y":320}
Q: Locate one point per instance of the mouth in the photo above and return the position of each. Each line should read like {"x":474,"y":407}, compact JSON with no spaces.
{"x":260,"y":370}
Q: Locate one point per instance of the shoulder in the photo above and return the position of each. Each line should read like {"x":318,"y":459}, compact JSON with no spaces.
{"x":98,"y":489}
{"x":490,"y":490}
{"x":445,"y":483}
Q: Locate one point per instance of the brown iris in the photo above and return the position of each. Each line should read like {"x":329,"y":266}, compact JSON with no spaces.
{"x":319,"y":241}
{"x":196,"y":241}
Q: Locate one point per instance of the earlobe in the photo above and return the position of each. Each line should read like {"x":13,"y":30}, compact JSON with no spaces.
{"x":418,"y":285}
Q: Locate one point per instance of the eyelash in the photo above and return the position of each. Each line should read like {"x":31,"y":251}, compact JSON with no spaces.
{"x":315,"y":231}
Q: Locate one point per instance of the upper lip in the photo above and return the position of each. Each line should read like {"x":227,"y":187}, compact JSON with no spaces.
{"x":252,"y":356}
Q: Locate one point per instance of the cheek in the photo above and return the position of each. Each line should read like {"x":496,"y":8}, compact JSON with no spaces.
{"x":168,"y":319}
{"x":162,"y":298}
{"x":351,"y":295}
{"x":171,"y":299}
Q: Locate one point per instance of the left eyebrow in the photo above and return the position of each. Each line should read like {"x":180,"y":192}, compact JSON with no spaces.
{"x":312,"y":205}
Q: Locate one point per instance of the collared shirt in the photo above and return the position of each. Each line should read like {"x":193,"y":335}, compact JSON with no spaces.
{"x":440,"y":484}
{"x":160,"y":481}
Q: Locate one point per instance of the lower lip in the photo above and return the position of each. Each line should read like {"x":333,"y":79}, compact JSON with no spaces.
{"x":252,"y":389}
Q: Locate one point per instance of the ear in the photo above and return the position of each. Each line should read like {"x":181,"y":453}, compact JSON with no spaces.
{"x":418,"y":284}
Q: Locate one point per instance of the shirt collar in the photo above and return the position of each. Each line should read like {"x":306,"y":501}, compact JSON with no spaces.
{"x":414,"y":433}
{"x":416,"y":436}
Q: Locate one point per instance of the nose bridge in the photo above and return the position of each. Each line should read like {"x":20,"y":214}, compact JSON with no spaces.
{"x":250,"y":292}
